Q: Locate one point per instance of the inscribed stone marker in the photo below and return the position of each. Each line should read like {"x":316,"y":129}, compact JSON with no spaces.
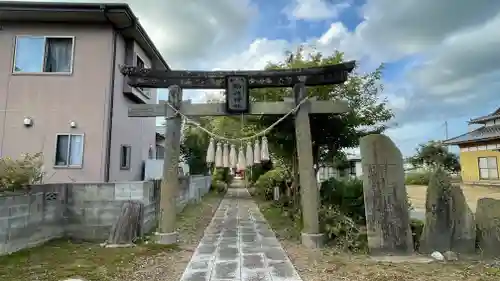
{"x":449,"y":222}
{"x":386,"y":206}
{"x":488,"y":225}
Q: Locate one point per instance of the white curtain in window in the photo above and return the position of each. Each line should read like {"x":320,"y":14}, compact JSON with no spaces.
{"x":483,"y":173}
{"x":483,"y":163}
{"x":492,"y":162}
{"x":76,"y":150}
{"x":493,"y":173}
{"x":58,"y":57}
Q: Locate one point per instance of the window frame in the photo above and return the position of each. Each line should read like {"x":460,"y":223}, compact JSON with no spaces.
{"x":69,"y":166}
{"x":129,"y":158}
{"x":352,"y":168}
{"x":147,"y":93}
{"x":42,"y":72}
{"x":159,"y":152}
{"x":487,"y":168}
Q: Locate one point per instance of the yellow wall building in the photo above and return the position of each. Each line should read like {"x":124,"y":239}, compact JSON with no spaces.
{"x":480,"y":151}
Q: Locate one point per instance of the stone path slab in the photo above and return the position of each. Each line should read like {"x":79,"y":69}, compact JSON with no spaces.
{"x":239,"y":245}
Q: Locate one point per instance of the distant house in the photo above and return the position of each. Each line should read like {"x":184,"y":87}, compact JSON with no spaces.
{"x":160,"y":142}
{"x":154,"y":165}
{"x":480,"y":150}
{"x":353,"y":170}
{"x":410,"y":168}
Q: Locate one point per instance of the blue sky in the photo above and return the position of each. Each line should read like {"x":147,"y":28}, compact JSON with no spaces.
{"x":440,"y":67}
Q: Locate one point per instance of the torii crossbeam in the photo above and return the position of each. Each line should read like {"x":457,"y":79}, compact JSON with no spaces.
{"x":296,"y":78}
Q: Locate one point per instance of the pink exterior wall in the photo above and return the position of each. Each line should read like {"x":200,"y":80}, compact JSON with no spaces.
{"x":139,"y":133}
{"x":55,"y":100}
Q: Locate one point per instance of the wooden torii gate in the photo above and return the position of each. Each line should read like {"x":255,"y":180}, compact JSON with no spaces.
{"x":237,"y":85}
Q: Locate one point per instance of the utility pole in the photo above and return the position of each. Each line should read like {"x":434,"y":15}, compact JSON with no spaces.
{"x":446,"y":133}
{"x":446,"y":129}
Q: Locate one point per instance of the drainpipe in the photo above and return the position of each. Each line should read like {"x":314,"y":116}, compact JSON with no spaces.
{"x":107,"y":163}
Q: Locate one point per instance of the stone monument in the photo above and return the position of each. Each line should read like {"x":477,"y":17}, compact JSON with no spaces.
{"x":449,"y":222}
{"x":488,"y":226}
{"x":386,"y":205}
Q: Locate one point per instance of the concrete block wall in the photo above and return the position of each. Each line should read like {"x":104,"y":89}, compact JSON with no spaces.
{"x":199,"y":186}
{"x":192,"y":189}
{"x":28,"y":220}
{"x":84,"y":211}
{"x":94,"y":208}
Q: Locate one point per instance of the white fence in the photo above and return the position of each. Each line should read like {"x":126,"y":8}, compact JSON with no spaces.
{"x":154,"y":169}
{"x":192,"y":189}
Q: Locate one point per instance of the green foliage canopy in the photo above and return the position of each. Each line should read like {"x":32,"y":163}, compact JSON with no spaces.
{"x":330,"y":133}
{"x":433,"y":154}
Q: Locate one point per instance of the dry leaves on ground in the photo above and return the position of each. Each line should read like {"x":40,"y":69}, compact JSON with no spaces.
{"x":191,"y":225}
{"x":62,"y":259}
{"x":328,"y":264}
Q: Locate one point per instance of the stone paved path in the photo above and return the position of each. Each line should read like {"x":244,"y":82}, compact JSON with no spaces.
{"x":239,"y":245}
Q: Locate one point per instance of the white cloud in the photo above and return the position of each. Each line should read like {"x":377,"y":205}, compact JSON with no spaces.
{"x":394,"y":29}
{"x":189,"y":32}
{"x":258,"y":54}
{"x":314,"y":10}
{"x":456,"y":42}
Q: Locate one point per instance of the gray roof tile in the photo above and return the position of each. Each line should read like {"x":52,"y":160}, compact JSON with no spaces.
{"x":483,"y":133}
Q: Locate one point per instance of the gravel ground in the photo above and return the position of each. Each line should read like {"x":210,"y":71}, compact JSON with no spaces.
{"x":330,"y":265}
{"x":169,"y":266}
{"x":61,"y":259}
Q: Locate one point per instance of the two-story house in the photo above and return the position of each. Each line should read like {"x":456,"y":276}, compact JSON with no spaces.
{"x":61,"y":91}
{"x":480,"y":150}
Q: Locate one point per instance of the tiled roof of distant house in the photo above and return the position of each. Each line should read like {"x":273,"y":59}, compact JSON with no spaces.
{"x":484,"y":119}
{"x":482,"y":134}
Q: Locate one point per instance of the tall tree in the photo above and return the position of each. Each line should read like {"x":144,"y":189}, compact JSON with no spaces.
{"x":330,"y":133}
{"x":193,"y":149}
{"x":433,"y":154}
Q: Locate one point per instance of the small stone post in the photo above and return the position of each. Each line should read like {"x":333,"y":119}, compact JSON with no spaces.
{"x":311,"y":237}
{"x":170,"y":180}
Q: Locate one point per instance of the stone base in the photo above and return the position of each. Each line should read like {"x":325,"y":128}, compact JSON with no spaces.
{"x":313,"y":240}
{"x":166,"y":238}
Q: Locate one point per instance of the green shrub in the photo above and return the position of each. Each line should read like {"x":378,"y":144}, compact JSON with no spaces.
{"x":342,"y":215}
{"x":341,"y":229}
{"x":264,"y":186}
{"x":417,"y":178}
{"x":218,"y":186}
{"x":254,"y":174}
{"x":416,"y":229}
{"x":20,"y":173}
{"x":346,"y":196}
{"x":222,"y":174}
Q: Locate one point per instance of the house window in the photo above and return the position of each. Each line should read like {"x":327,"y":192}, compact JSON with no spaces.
{"x":125,"y":151}
{"x":140,"y":64}
{"x":160,"y":152}
{"x":352,"y":168}
{"x":43,"y":54}
{"x":69,"y":150}
{"x":488,"y":168}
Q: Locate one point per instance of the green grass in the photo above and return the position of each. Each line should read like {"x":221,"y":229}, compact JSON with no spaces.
{"x":61,"y":259}
{"x":279,"y":221}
